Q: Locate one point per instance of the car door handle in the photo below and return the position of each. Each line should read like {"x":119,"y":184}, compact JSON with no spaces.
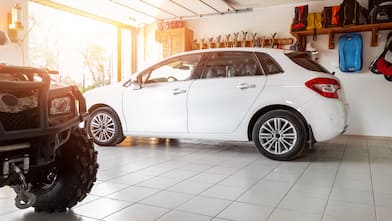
{"x":244,"y":86}
{"x":178,"y":91}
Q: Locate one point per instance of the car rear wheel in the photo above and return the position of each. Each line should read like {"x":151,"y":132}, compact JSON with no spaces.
{"x":280,"y":135}
{"x":104,"y":127}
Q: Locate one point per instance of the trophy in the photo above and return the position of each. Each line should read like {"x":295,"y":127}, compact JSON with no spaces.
{"x":195,"y":45}
{"x":235,"y":42}
{"x":218,"y":41}
{"x":211,"y":43}
{"x":202,"y":42}
{"x":262,"y":41}
{"x":227,"y":41}
{"x":254,"y":42}
{"x":243,"y":41}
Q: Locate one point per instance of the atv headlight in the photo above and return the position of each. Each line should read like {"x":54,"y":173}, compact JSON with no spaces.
{"x":62,"y":105}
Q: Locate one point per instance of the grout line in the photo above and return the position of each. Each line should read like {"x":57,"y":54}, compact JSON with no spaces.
{"x":199,"y":194}
{"x":250,"y":187}
{"x":371,"y":181}
{"x":280,"y":201}
{"x":166,"y":189}
{"x":334,"y":180}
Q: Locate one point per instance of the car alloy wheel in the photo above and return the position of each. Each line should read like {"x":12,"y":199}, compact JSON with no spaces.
{"x":277,"y":136}
{"x":102,"y":127}
{"x":280,"y":134}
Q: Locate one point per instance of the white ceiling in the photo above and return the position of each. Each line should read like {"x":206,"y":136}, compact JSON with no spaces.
{"x":141,"y":12}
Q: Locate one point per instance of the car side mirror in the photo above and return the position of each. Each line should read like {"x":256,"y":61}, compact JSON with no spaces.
{"x":136,"y":84}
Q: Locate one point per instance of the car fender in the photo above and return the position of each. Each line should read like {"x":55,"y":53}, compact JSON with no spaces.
{"x":293,"y":96}
{"x":110,"y":96}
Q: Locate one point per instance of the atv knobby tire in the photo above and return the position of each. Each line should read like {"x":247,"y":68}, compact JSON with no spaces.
{"x":75,"y":170}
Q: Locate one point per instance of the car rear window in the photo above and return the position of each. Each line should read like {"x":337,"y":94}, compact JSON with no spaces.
{"x":304,"y":60}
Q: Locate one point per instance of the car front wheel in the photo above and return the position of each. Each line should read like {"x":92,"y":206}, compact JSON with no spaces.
{"x":104,"y":127}
{"x":279,"y":135}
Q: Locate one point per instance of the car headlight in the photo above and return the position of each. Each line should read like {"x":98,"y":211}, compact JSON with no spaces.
{"x":62,"y":105}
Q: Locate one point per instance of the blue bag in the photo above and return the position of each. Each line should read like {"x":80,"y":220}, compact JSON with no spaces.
{"x":350,"y":52}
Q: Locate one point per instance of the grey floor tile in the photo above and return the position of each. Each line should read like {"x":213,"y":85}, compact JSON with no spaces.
{"x":383,"y":200}
{"x":220,"y":219}
{"x":89,"y":198}
{"x":137,"y":212}
{"x":190,"y":187}
{"x":296,"y":201}
{"x":204,"y":206}
{"x":167,"y":199}
{"x":179,"y":174}
{"x":179,"y":215}
{"x":239,"y":181}
{"x":107,"y":188}
{"x":160,"y":182}
{"x":358,"y":185}
{"x":383,"y":214}
{"x":101,"y":208}
{"x":209,"y":178}
{"x":292,"y":215}
{"x":224,"y":192}
{"x":262,"y":197}
{"x":222,"y":170}
{"x":199,"y":180}
{"x":133,"y":193}
{"x":350,"y":210}
{"x":338,"y":218}
{"x":321,"y":192}
{"x":348,"y":195}
{"x":131,"y":179}
{"x":245,"y":212}
{"x":153,"y":171}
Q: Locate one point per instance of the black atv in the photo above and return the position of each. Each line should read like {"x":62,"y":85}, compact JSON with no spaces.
{"x":45,"y":156}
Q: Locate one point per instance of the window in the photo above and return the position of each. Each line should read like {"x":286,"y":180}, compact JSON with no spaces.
{"x":303,"y":59}
{"x":270,"y":66}
{"x":176,"y":69}
{"x":231,"y":64}
{"x":83,"y":50}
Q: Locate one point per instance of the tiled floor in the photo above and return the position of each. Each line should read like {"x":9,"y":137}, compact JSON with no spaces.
{"x":349,"y":178}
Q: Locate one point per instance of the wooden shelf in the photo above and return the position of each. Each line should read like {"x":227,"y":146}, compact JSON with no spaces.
{"x":374,"y":28}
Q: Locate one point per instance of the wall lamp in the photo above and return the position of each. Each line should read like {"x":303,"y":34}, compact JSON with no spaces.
{"x":15,"y":22}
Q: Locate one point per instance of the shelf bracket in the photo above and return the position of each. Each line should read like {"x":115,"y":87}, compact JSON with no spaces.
{"x":331,"y":40}
{"x":373,"y":42}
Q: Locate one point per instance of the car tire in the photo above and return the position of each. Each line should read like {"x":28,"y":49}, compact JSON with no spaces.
{"x":104,"y":127}
{"x":72,"y":175}
{"x":279,"y":135}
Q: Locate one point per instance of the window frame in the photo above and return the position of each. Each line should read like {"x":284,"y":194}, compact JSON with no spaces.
{"x":280,"y":69}
{"x":248,"y":53}
{"x":149,"y":71}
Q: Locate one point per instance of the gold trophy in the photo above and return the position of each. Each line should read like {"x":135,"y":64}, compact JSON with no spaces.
{"x":235,"y":42}
{"x":243,"y":41}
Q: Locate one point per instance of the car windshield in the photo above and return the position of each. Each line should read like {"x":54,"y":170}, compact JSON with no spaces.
{"x":304,"y":60}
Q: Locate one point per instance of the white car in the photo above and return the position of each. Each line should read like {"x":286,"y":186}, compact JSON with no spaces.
{"x":280,"y":101}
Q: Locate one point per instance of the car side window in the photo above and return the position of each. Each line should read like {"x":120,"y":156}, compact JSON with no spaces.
{"x":270,"y":66}
{"x":231,"y":64}
{"x":176,"y":69}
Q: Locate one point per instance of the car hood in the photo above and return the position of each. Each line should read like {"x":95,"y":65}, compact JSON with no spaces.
{"x":104,"y":95}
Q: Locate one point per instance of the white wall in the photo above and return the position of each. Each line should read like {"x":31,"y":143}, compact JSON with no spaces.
{"x":12,"y":53}
{"x":369,"y":95}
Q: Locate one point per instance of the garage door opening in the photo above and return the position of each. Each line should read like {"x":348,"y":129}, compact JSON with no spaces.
{"x":86,"y":52}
